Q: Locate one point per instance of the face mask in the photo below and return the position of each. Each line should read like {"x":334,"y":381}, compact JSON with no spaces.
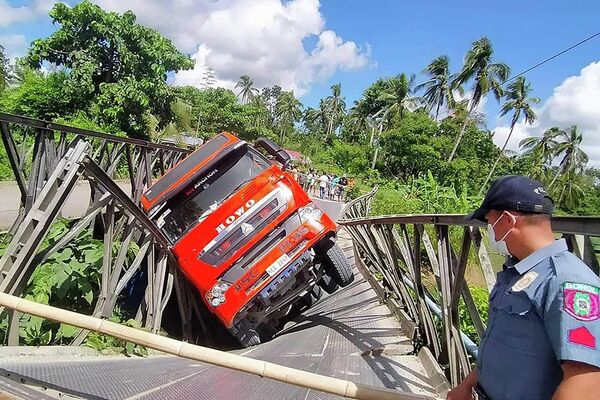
{"x":498,"y":245}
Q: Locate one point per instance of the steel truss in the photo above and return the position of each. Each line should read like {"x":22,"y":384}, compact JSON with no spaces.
{"x":47,"y":161}
{"x":428,"y":284}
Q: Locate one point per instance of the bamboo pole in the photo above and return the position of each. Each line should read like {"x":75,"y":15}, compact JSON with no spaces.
{"x":263,"y":369}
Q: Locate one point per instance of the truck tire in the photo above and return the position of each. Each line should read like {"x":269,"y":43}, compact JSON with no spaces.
{"x":328,"y":284}
{"x":307,"y":301}
{"x":268,"y":330}
{"x":337,"y":266}
{"x":316,"y":293}
{"x":248,"y":338}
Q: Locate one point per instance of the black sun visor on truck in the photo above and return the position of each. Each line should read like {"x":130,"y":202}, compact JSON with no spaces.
{"x":175,"y":180}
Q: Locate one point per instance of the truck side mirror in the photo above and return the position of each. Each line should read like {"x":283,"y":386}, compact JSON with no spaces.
{"x":272,"y":148}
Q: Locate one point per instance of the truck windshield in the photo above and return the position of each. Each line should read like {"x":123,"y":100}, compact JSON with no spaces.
{"x":196,"y":201}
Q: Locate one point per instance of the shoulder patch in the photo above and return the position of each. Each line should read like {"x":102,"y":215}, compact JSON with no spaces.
{"x":581,"y":301}
{"x":582,"y":336}
{"x":525,"y":281}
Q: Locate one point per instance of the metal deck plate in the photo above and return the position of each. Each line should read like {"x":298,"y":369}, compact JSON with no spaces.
{"x":334,"y":338}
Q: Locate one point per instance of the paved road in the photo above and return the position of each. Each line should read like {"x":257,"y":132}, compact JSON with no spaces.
{"x":78,"y":201}
{"x":334,"y":338}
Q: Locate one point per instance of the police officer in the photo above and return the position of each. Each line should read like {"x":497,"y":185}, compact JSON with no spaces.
{"x":543,"y":335}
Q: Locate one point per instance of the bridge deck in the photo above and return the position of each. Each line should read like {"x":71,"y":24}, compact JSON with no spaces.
{"x":342,"y":336}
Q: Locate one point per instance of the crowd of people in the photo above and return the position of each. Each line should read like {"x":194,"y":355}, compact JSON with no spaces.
{"x":326,"y":186}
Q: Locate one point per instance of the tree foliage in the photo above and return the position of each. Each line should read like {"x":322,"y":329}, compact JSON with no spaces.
{"x":117,"y":67}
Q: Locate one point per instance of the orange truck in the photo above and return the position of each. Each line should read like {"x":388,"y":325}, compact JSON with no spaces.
{"x":246,"y":235}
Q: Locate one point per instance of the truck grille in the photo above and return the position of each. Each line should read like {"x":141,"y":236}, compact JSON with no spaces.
{"x":261,"y":248}
{"x":244,"y":231}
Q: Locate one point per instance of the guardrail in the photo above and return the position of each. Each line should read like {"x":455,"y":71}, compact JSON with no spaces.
{"x":400,"y":251}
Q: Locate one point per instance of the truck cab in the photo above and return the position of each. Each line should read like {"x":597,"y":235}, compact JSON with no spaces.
{"x":246,"y":235}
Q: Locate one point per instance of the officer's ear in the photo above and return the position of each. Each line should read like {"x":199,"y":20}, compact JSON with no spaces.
{"x":511,"y":218}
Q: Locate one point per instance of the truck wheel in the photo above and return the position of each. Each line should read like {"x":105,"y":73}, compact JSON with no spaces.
{"x":328,"y":284}
{"x":316,"y":292}
{"x":307,"y":300}
{"x":267,"y":330}
{"x":247,"y":337}
{"x":337,"y":266}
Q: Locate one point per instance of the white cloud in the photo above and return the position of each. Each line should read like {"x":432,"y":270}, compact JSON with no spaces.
{"x":10,"y":15}
{"x":264,"y":39}
{"x":574,"y":102}
{"x":14,"y":45}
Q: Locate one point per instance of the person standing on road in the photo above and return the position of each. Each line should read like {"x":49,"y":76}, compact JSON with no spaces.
{"x":543,"y":335}
{"x":323,"y":182}
{"x":334,"y":186}
{"x":343,"y":183}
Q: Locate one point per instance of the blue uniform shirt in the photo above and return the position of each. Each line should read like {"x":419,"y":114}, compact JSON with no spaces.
{"x":543,"y":309}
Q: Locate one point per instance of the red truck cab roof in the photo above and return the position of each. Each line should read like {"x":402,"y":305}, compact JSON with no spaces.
{"x":189,"y":169}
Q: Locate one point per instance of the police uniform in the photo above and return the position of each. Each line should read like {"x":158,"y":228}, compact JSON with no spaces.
{"x":543,"y":309}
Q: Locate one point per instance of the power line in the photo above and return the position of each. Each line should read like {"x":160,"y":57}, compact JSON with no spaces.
{"x":553,"y":57}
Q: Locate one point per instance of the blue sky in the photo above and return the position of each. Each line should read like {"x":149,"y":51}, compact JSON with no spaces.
{"x":406,"y":36}
{"x":308,"y":45}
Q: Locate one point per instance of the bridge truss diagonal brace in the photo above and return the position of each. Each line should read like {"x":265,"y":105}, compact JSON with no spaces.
{"x":22,"y":255}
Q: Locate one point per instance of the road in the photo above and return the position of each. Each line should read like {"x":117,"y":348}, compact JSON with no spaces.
{"x":348,"y":335}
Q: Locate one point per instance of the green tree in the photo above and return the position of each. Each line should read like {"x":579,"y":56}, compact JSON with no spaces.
{"x":542,"y":150}
{"x":571,"y":191}
{"x":40,"y":95}
{"x":358,"y":127}
{"x":438,"y":88}
{"x":247,"y":90}
{"x":400,"y":96}
{"x":288,"y":112}
{"x":519,"y":102}
{"x":336,"y":109}
{"x":316,"y":119}
{"x":113,"y":62}
{"x":574,"y":159}
{"x":218,"y":109}
{"x":486,"y":75}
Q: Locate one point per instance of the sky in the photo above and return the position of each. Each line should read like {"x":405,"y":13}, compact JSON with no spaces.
{"x":309,"y":45}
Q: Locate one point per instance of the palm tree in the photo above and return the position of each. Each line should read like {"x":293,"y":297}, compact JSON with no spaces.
{"x":336,"y":108}
{"x":488,"y":76}
{"x":570,"y":192}
{"x":438,"y":88}
{"x":542,"y":149}
{"x":359,"y":124}
{"x":519,"y":102}
{"x":317,"y":117}
{"x":574,"y":158}
{"x":400,"y":96}
{"x":247,"y":91}
{"x":288,"y":110}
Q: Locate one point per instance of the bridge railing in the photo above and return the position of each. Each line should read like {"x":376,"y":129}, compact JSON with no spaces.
{"x":419,"y":262}
{"x":34,"y":147}
{"x":47,"y":160}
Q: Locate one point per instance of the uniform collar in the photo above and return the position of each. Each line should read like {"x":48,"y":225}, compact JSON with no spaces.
{"x":534,"y":258}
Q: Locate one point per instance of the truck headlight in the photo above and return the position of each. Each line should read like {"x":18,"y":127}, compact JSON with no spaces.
{"x":310,"y":212}
{"x":216,"y":296}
